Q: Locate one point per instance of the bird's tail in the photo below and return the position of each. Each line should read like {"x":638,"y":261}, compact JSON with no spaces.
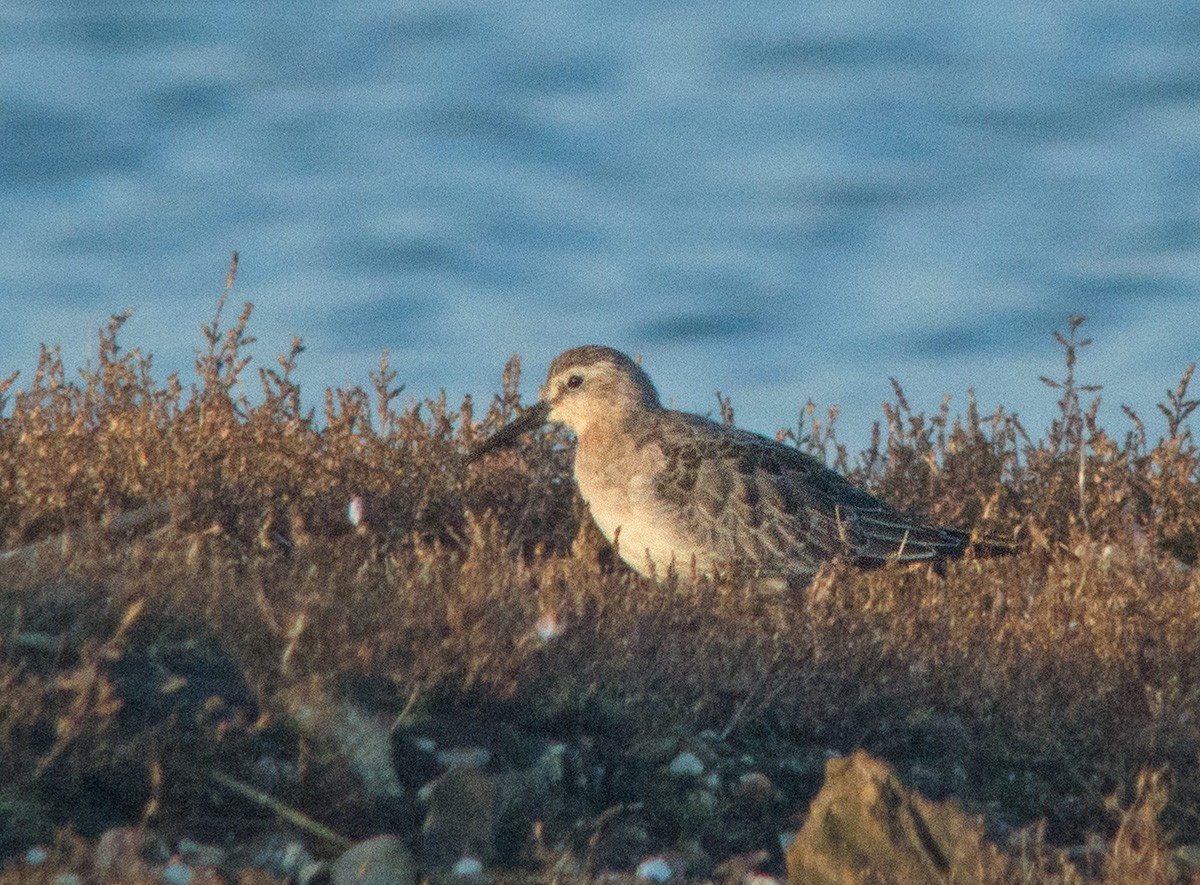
{"x":879,"y":537}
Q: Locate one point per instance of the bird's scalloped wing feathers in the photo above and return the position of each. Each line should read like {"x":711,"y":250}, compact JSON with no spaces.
{"x":782,"y":502}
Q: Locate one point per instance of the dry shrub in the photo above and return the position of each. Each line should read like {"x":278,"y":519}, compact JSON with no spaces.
{"x":1139,"y":852}
{"x":1032,"y":688}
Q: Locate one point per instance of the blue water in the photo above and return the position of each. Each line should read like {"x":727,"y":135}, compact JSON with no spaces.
{"x":779,"y":201}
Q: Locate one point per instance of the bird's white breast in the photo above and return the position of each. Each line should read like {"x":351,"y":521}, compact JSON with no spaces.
{"x":617,"y":482}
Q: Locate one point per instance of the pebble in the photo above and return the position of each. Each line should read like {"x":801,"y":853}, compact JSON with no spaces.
{"x":753,"y":788}
{"x":36,"y":855}
{"x":467,"y":868}
{"x":655,"y":869}
{"x":200,"y":855}
{"x":177,"y":873}
{"x":548,"y":626}
{"x":686,"y":764}
{"x":118,"y":855}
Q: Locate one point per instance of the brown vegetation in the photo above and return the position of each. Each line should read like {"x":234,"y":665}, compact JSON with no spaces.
{"x":1056,"y":692}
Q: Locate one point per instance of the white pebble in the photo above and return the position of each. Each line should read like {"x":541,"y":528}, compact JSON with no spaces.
{"x":178,"y":873}
{"x":467,"y":867}
{"x":655,"y":869}
{"x":686,"y":764}
{"x":548,"y":626}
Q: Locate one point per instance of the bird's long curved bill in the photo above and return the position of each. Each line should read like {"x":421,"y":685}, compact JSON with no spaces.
{"x":509,"y":433}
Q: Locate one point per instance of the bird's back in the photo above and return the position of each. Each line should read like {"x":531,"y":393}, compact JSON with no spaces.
{"x":743,"y":498}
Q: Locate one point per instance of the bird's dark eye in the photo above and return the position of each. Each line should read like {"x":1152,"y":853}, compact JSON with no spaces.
{"x":574,"y":381}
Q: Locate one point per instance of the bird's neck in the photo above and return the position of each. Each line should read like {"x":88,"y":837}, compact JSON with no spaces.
{"x":611,"y":439}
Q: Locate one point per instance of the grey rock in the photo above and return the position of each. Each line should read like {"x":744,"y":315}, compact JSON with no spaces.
{"x":380,"y":860}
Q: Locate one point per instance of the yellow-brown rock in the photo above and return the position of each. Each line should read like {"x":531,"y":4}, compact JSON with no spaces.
{"x":866,"y":826}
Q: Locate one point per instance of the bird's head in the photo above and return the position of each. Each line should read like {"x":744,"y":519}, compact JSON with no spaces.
{"x":586,"y":387}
